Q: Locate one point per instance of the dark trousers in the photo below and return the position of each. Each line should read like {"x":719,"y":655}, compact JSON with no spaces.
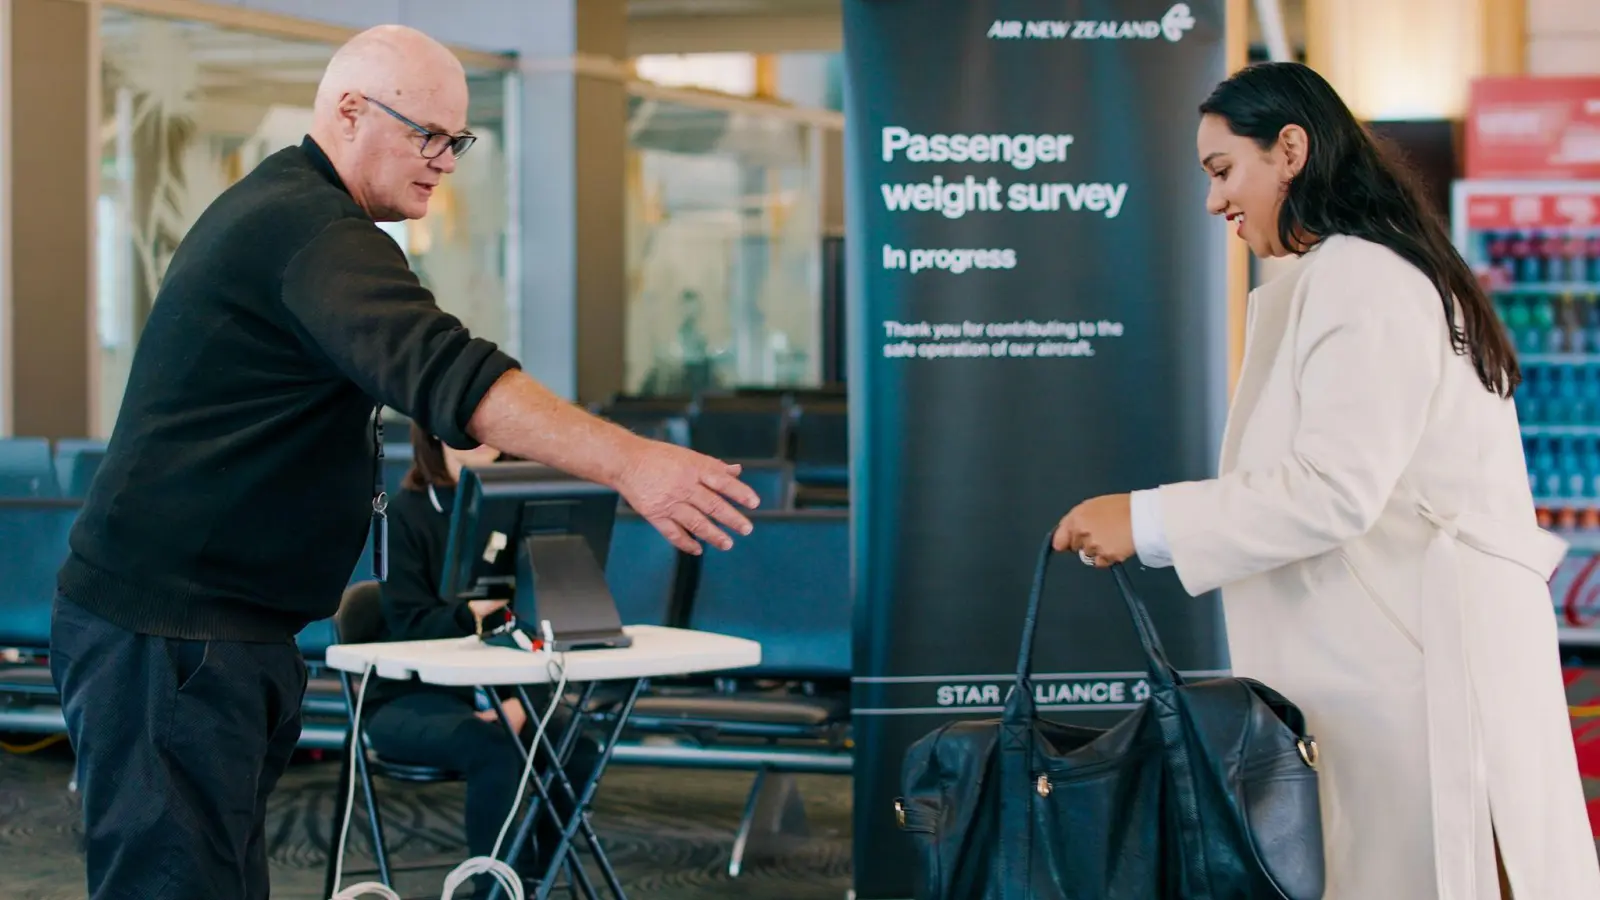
{"x":179,"y":744}
{"x":437,"y":728}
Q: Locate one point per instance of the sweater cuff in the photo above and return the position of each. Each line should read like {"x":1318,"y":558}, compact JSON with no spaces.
{"x":464,"y":619}
{"x":454,"y":433}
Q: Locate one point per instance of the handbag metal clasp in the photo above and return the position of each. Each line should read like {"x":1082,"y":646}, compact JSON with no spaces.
{"x":1308,"y":751}
{"x":1043,"y":785}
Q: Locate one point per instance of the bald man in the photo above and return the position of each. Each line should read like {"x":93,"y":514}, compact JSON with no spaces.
{"x":238,"y":486}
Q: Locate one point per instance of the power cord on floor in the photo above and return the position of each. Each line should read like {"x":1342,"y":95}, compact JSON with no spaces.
{"x":491,"y":864}
{"x":478,"y":865}
{"x":365,"y":888}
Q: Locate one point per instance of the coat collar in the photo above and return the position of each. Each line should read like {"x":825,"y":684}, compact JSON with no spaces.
{"x":320,"y":163}
{"x":1266,"y":317}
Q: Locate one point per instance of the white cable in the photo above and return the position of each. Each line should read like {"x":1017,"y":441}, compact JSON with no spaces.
{"x":478,"y":865}
{"x":508,"y":877}
{"x":355,"y":891}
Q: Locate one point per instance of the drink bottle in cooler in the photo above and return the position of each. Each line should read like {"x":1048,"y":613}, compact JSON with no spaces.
{"x":1581,"y":409}
{"x":1591,"y":325}
{"x":1590,"y":520}
{"x":1542,"y":331}
{"x":1530,"y":405}
{"x":1577,"y":269}
{"x":1524,"y":266}
{"x":1578,"y":333}
{"x":1555,"y":333}
{"x":1563,"y":396}
{"x":1548,"y":469}
{"x":1574,"y":484}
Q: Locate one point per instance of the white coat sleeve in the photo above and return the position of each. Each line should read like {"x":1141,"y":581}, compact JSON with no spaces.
{"x":1367,"y":360}
{"x":1149,"y":534}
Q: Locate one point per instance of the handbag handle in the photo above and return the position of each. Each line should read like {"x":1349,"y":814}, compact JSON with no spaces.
{"x":1162,"y":673}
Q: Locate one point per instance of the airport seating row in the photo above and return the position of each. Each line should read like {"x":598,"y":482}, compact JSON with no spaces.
{"x":786,"y":585}
{"x":808,"y":429}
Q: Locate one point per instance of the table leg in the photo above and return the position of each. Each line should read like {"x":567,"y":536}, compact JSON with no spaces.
{"x":541,"y":783}
{"x":571,"y":828}
{"x":357,"y":747}
{"x":559,"y":777}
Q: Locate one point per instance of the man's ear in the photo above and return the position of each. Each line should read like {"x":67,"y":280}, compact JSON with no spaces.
{"x":346,"y":114}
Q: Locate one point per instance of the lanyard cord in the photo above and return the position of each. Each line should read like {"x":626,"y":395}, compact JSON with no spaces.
{"x":380,"y":503}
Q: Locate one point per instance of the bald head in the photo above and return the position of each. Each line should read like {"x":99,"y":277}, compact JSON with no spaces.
{"x":388,"y":62}
{"x":381,"y":91}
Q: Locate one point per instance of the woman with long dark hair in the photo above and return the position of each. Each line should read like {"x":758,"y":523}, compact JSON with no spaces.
{"x":1371,"y":527}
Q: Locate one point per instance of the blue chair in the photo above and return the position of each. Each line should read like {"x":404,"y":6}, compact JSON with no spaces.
{"x":33,"y":545}
{"x":27,"y":468}
{"x":740,"y":427}
{"x":77,"y":459}
{"x":771,"y":479}
{"x":786,"y":585}
{"x":820,"y":444}
{"x":642,"y":570}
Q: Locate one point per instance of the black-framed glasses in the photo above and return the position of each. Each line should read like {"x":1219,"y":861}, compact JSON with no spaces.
{"x":434,"y":143}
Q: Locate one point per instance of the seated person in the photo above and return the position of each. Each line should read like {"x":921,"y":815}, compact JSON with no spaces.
{"x":408,"y":721}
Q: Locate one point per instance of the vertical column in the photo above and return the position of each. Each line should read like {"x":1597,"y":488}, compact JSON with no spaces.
{"x":573,"y":137}
{"x":599,"y":132}
{"x":1505,"y":37}
{"x":50,"y":87}
{"x":6,"y":80}
{"x":1412,"y":60}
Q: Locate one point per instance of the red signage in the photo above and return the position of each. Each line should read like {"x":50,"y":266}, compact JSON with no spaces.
{"x":1532,"y":210}
{"x":1545,"y":128}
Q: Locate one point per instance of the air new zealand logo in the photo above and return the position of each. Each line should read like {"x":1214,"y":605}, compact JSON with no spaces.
{"x":1177,"y":22}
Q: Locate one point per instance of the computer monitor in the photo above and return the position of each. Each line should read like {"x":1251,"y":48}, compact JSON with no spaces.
{"x":539,"y":537}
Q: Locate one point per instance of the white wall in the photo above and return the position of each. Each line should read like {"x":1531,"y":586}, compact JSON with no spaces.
{"x":1563,"y":37}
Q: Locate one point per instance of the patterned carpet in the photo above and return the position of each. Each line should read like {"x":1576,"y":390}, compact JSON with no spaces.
{"x":668,"y":832}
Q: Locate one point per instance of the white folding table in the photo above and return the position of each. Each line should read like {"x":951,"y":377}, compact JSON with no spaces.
{"x":468,"y":662}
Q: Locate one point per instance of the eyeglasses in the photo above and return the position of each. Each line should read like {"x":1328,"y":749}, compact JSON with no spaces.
{"x":434,"y":143}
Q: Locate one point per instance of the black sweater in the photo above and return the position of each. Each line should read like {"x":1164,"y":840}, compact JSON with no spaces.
{"x":236,"y":490}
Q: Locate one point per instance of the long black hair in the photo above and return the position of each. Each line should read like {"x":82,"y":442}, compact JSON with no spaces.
{"x":1354,"y":184}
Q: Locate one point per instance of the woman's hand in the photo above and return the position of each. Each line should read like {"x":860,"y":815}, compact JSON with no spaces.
{"x":514,"y":712}
{"x":481,"y":608}
{"x":1100,"y":530}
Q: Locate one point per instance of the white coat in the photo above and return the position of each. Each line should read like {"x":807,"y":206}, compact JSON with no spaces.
{"x":1374,"y":538}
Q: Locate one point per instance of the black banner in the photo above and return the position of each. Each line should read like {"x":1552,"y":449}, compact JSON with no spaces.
{"x":1037,"y":316}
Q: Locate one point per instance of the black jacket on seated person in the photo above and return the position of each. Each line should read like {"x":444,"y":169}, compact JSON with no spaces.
{"x":236,"y":490}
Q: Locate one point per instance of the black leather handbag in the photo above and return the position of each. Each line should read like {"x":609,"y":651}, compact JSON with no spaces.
{"x":1208,"y":791}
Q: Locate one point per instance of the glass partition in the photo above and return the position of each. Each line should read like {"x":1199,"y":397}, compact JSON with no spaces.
{"x":724,"y":247}
{"x":190,"y":107}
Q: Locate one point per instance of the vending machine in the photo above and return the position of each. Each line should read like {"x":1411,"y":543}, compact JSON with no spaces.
{"x":1536,"y":247}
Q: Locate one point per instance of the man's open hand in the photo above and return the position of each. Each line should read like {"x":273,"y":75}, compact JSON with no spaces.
{"x":685,"y":495}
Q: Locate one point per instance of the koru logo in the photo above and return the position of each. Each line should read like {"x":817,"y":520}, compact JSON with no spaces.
{"x":1177,"y":21}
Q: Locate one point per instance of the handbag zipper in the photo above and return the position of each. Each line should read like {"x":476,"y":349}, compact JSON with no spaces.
{"x":1044,"y":786}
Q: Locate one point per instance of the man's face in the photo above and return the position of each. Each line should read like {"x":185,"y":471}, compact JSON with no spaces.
{"x":392,"y":154}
